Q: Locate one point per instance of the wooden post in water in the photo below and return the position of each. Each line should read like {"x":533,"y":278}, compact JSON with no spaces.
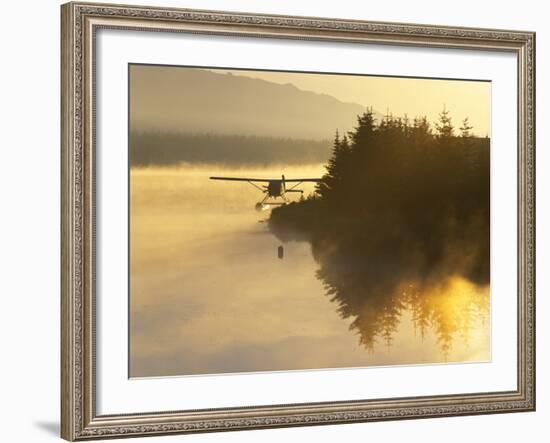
{"x":280,"y":252}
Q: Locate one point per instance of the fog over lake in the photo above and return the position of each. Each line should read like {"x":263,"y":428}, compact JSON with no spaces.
{"x":208,"y":293}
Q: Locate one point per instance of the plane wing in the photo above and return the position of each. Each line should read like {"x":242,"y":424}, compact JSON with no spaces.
{"x":242,"y":179}
{"x":266,"y":180}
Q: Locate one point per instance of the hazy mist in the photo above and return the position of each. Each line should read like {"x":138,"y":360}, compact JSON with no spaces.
{"x":194,"y":100}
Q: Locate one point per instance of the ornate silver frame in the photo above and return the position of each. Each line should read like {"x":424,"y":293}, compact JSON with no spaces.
{"x":80,"y":21}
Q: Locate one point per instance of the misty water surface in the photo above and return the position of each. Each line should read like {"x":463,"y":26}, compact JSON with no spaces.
{"x":210,"y":295}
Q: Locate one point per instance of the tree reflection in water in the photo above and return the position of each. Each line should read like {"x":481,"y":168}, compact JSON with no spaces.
{"x":449,"y":308}
{"x":374,"y":285}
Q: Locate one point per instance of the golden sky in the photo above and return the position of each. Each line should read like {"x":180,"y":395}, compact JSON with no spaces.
{"x":411,"y":96}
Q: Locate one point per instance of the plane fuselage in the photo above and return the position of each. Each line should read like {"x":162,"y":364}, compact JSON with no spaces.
{"x":275,"y":188}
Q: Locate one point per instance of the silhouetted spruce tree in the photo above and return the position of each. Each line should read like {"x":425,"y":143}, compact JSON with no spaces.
{"x":465,"y":129}
{"x":363,"y":132}
{"x":333,"y":174}
{"x":471,"y":153}
{"x":444,"y":126}
{"x":421,"y":131}
{"x":406,"y":125}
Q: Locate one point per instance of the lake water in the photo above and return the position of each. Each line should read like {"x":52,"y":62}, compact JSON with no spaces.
{"x":209,"y":293}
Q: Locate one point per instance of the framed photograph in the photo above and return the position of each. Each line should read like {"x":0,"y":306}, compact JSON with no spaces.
{"x":283,"y":221}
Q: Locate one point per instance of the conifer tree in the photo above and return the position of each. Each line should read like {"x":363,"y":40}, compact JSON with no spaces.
{"x":366,"y":125}
{"x":334,"y":173}
{"x":470,"y":152}
{"x":444,"y":127}
{"x":466,"y":128}
{"x":421,"y":130}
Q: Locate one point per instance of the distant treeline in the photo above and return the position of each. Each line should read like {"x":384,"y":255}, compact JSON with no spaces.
{"x":156,"y":148}
{"x":402,"y":204}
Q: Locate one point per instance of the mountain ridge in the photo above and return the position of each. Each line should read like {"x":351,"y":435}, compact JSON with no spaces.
{"x":191,"y":100}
